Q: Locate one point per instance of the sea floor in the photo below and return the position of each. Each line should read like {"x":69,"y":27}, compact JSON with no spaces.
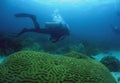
{"x":98,"y":57}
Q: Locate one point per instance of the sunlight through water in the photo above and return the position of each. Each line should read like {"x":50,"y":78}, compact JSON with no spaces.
{"x":72,"y":1}
{"x":69,"y":3}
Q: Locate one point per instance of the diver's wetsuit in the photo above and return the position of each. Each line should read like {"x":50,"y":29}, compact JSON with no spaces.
{"x":116,"y":29}
{"x":55,"y":30}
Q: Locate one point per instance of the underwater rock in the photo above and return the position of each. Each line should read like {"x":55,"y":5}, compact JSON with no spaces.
{"x":112,"y":63}
{"x":91,"y":51}
{"x":118,"y":79}
{"x":78,"y":48}
{"x":88,"y":50}
{"x":25,"y":41}
{"x":55,"y":48}
{"x":37,"y":67}
{"x":49,"y":47}
{"x":65,"y":49}
{"x":33,"y":47}
{"x":29,"y":42}
{"x":8,"y":46}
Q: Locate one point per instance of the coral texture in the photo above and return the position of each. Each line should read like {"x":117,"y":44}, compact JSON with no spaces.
{"x":77,"y":55}
{"x":36,"y":67}
{"x":112,"y":63}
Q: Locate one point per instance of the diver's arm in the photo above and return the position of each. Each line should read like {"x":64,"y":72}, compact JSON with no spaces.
{"x":33,"y":18}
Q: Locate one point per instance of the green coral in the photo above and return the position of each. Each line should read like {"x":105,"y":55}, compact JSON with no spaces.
{"x":36,"y":67}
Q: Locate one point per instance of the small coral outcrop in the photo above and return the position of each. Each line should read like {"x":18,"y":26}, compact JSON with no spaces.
{"x":36,"y":67}
{"x":8,"y":46}
{"x":112,"y":63}
{"x":77,"y":55}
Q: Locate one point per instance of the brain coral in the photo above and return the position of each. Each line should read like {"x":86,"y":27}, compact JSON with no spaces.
{"x":36,"y":67}
{"x":111,"y":62}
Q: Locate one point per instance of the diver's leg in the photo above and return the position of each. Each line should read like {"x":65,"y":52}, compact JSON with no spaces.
{"x":25,"y":30}
{"x":33,"y":17}
{"x":22,"y":32}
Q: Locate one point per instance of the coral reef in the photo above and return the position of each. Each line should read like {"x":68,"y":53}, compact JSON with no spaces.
{"x":112,"y":63}
{"x":29,"y":42}
{"x":35,"y":42}
{"x":87,"y":50}
{"x":77,"y":55}
{"x":37,"y":67}
{"x":49,"y":47}
{"x":78,"y":48}
{"x":33,"y":47}
{"x":118,"y":79}
{"x":8,"y":46}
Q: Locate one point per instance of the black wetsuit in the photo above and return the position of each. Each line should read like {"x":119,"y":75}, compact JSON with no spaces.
{"x":56,"y":32}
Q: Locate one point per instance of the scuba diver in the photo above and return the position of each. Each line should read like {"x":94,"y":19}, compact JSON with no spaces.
{"x":56,"y":30}
{"x":116,"y":29}
{"x":118,"y":13}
